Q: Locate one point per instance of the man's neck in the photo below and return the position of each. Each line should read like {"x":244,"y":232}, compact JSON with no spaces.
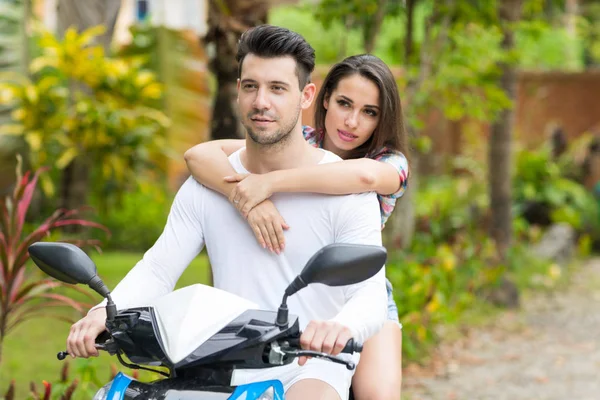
{"x":292,"y":152}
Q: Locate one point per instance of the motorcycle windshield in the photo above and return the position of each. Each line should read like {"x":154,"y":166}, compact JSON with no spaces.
{"x":188,"y":317}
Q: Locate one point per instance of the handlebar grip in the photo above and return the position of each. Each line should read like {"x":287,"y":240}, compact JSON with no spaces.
{"x":100,"y":341}
{"x":352,"y":347}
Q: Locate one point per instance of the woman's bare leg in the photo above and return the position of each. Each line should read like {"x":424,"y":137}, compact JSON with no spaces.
{"x":313,"y":389}
{"x":379,"y":373}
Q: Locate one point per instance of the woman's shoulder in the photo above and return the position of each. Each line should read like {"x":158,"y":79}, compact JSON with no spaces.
{"x":390,"y":155}
{"x":308,"y":131}
{"x":311,"y":136}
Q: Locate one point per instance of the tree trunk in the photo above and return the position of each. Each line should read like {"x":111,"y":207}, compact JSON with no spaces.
{"x":225,"y":122}
{"x":227,"y":20}
{"x":571,"y":14}
{"x":400,"y":228}
{"x":372,"y":29}
{"x":500,"y":161}
{"x":500,"y":145}
{"x":74,"y":185}
{"x":408,"y":37}
{"x":343,"y":50}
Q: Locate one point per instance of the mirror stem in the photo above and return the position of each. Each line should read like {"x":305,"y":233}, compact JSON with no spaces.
{"x":296,"y":285}
{"x":111,"y":308}
{"x":282,"y":313}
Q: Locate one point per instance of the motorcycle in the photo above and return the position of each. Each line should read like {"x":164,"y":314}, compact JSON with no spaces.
{"x":202,"y":347}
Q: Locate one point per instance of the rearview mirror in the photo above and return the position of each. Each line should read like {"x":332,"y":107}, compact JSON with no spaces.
{"x":67,"y":263}
{"x":341,"y":264}
{"x":337,"y":264}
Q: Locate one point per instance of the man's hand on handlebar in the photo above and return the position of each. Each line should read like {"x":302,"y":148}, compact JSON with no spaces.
{"x":82,"y":337}
{"x":324,"y":336}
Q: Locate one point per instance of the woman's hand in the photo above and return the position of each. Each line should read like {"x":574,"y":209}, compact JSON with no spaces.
{"x":251,"y":190}
{"x":268,"y":225}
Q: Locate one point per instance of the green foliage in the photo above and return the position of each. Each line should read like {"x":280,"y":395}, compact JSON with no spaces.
{"x":448,"y":205}
{"x":453,"y":263}
{"x":589,"y":29}
{"x":139,"y":219}
{"x":24,"y":294}
{"x":465,"y":74}
{"x":144,"y":44}
{"x":83,"y":105}
{"x":328,"y":42}
{"x":85,"y":384}
{"x":357,"y":14}
{"x":541,"y":46}
{"x":465,"y":79}
{"x":64,"y":389}
{"x":434,"y":283}
{"x":541,"y":181}
{"x":436,"y":280}
{"x":325,"y":42}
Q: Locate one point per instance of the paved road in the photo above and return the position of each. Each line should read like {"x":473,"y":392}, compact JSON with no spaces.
{"x":550,"y":350}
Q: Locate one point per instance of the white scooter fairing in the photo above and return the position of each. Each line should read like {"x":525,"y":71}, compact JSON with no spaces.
{"x":188,"y":317}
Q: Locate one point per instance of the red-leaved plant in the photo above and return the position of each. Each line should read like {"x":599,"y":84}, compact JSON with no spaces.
{"x":63,"y":388}
{"x":24,"y":292}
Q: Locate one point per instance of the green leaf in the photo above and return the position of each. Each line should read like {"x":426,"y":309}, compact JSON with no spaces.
{"x":47,"y":185}
{"x":87,"y":36}
{"x":65,"y":159}
{"x":12,"y":129}
{"x":42,"y":62}
{"x":34,"y":139}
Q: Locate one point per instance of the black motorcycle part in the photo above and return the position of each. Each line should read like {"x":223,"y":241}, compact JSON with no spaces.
{"x":134,"y":332}
{"x":210,"y":387}
{"x":243,"y":342}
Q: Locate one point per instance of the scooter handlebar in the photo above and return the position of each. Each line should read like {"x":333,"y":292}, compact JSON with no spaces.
{"x":352,"y":347}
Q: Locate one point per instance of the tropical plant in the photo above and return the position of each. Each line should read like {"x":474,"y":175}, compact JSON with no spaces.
{"x":24,"y":293}
{"x":87,"y":115}
{"x":63,"y":388}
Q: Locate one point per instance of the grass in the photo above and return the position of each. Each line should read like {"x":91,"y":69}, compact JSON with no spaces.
{"x":30,"y":350}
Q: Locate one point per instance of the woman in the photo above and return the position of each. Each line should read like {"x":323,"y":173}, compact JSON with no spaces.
{"x":358,"y":117}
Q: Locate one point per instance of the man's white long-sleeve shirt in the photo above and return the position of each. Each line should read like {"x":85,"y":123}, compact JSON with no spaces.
{"x":200,"y":216}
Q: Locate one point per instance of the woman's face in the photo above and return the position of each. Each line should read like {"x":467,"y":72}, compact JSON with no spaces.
{"x":352,"y":114}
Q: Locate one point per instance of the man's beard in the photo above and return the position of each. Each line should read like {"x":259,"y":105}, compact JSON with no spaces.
{"x":278,"y":136}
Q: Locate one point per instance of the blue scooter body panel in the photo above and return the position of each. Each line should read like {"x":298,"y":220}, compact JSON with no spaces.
{"x":254,"y":390}
{"x":118,"y":387}
{"x":251,"y":391}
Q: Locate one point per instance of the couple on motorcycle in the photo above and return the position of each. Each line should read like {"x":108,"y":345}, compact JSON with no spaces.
{"x":271,"y":173}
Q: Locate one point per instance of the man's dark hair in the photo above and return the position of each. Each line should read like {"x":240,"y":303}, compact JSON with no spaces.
{"x":270,"y":41}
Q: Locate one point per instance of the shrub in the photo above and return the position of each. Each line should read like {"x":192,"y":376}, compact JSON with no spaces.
{"x":23,"y":293}
{"x":138,"y":221}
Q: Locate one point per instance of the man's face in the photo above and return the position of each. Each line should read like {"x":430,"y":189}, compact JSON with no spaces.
{"x":269,"y":98}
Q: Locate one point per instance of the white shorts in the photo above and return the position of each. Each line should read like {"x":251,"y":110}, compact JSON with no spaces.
{"x":335,"y":375}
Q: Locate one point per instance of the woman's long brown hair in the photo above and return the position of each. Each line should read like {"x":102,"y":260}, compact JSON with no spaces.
{"x":390,"y":131}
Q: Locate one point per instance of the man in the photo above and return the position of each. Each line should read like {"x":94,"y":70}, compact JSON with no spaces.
{"x":273,"y":88}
